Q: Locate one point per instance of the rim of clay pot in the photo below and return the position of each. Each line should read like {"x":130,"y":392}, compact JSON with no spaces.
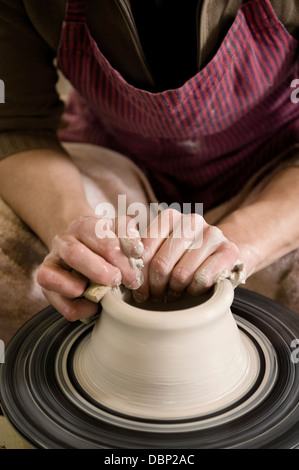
{"x":202,"y":310}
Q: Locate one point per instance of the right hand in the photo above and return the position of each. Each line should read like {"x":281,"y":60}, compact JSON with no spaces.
{"x":79,"y":255}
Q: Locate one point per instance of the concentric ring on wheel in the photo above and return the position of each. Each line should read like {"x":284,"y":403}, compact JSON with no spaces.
{"x":38,"y":397}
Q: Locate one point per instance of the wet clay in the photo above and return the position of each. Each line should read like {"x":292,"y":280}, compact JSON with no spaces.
{"x":168,"y":361}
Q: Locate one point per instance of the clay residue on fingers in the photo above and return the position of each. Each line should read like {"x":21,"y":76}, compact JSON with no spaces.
{"x":133,"y":249}
{"x":202,"y":280}
{"x":237,"y":275}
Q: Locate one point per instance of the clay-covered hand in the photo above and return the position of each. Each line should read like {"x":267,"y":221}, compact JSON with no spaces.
{"x":89,"y":250}
{"x":183,"y":253}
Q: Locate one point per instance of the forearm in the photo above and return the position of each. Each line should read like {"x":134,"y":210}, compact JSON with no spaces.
{"x":268,"y":228}
{"x":45,"y":189}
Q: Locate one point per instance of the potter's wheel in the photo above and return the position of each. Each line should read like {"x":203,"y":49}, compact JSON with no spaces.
{"x":43,"y":399}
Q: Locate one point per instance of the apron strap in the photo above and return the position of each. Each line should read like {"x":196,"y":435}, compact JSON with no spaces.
{"x":75,"y":11}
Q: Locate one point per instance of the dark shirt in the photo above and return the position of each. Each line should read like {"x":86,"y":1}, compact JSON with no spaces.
{"x":177,"y":44}
{"x":171,"y":51}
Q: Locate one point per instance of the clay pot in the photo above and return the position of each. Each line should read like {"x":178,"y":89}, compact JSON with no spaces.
{"x":167,"y":361}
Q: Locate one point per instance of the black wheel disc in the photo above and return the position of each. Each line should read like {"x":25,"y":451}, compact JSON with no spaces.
{"x":43,"y":400}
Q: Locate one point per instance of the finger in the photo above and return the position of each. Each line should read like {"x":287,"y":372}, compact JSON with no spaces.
{"x":205,"y":276}
{"x":129,"y":236}
{"x":171,"y":252}
{"x":210,"y":241}
{"x":118,"y":245}
{"x":53,"y":277}
{"x":106,"y":259}
{"x":132,"y":247}
{"x":79,"y":257}
{"x":160,"y":228}
{"x":72,"y":310}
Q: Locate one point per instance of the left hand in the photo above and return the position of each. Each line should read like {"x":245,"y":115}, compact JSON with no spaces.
{"x":182,"y":253}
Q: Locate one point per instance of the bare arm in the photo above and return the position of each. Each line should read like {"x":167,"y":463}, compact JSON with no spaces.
{"x":257,"y":234}
{"x":268,"y":228}
{"x":45,"y":189}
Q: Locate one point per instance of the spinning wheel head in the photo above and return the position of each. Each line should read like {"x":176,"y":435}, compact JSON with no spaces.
{"x":170,"y":361}
{"x":46,"y":394}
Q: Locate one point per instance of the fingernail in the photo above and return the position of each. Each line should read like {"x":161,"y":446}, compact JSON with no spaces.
{"x":118,"y":279}
{"x":138,"y":297}
{"x":137,"y":283}
{"x":126,"y":245}
{"x":138,"y":249}
{"x":173,"y":295}
{"x":202,"y":283}
{"x":158,"y":300}
{"x":132,"y":247}
{"x":201,"y":279}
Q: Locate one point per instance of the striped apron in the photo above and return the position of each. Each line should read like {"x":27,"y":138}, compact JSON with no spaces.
{"x":202,"y":141}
